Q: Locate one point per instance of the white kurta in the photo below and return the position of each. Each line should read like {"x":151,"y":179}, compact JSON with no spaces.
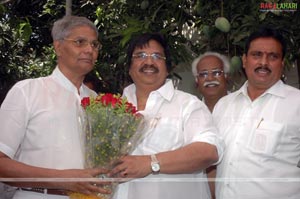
{"x":178,"y":120}
{"x":262,"y":140}
{"x":40,"y":124}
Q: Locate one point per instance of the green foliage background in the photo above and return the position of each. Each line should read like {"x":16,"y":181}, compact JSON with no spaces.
{"x":26,"y":45}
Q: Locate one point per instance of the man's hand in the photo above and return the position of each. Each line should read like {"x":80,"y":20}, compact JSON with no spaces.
{"x":84,"y":187}
{"x":132,"y":166}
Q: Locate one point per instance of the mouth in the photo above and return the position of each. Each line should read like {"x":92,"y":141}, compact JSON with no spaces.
{"x":262,"y":70}
{"x":86,"y":60}
{"x":211,"y":84}
{"x":149,"y":69}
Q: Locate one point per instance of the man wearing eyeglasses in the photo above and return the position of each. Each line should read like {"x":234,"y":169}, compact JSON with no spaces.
{"x":210,"y":71}
{"x":39,"y":119}
{"x":182,"y":140}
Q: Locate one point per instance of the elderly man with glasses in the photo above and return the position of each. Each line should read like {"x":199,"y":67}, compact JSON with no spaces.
{"x":210,"y":71}
{"x":40,"y":133}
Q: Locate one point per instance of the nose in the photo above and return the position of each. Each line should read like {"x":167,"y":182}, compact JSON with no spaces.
{"x":148,"y":60}
{"x":264,"y":60}
{"x":89,"y":48}
{"x":210,"y":76}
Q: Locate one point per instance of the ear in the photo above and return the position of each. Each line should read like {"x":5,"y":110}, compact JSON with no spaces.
{"x":129,"y":71}
{"x":282,"y":66}
{"x":57,"y":47}
{"x":226,"y":76}
{"x":244,"y":60}
{"x":167,"y":74}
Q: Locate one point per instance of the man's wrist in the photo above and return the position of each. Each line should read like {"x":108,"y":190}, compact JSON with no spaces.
{"x":155,"y":166}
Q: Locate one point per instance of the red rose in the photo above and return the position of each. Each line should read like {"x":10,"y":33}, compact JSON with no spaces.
{"x":85,"y":102}
{"x":106,"y":99}
{"x":130,"y":108}
{"x":109,"y":98}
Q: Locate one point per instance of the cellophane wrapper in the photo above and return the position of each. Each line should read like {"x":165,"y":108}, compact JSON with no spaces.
{"x":109,"y":134}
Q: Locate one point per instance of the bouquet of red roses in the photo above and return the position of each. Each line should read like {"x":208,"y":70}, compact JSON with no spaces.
{"x":113,"y":129}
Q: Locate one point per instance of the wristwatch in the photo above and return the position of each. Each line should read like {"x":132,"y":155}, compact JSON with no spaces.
{"x":155,"y":164}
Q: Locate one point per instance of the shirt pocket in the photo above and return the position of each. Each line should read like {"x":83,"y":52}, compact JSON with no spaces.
{"x":265,"y":137}
{"x":164,"y":135}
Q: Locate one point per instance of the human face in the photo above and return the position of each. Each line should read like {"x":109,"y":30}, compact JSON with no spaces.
{"x":149,"y":72}
{"x":263,"y":64}
{"x":74,"y":59}
{"x":214,"y":85}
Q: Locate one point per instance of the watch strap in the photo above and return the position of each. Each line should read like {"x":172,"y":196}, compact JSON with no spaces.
{"x":154,"y":158}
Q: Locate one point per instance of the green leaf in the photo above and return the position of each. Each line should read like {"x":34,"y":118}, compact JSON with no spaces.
{"x":24,"y":31}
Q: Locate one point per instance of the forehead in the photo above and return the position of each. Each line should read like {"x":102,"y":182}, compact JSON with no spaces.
{"x":265,"y":44}
{"x":152,"y":45}
{"x":209,"y":62}
{"x":83,"y":31}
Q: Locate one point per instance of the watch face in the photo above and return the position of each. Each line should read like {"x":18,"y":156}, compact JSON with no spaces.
{"x":155,"y":167}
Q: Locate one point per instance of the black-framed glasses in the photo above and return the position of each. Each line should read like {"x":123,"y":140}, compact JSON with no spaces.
{"x":82,"y":43}
{"x":144,"y":56}
{"x":215,"y":73}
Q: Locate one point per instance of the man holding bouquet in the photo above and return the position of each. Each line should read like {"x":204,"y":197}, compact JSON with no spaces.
{"x":40,"y":132}
{"x":182,"y":142}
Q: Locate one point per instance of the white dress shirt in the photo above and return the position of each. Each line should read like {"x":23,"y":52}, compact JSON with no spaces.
{"x":178,"y":119}
{"x":262,"y":140}
{"x":40,"y":124}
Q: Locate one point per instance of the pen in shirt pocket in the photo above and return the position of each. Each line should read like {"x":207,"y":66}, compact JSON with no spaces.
{"x":262,"y":119}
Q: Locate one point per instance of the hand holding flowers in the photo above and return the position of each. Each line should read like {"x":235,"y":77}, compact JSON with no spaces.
{"x":132,"y":166}
{"x":113,"y":129}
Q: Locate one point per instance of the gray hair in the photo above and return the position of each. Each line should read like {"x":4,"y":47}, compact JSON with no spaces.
{"x":224,"y":59}
{"x":62,"y":27}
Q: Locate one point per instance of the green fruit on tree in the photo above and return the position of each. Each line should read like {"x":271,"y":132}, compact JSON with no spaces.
{"x":222,"y":24}
{"x":144,"y":4}
{"x":235,"y":64}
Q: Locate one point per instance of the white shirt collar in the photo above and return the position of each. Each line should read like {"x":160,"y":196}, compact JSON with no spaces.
{"x":277,"y":89}
{"x":67,"y":84}
{"x":166,"y":91}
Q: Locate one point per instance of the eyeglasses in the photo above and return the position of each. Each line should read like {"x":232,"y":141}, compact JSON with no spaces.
{"x":143,"y":56}
{"x":81,"y":43}
{"x":215,"y":73}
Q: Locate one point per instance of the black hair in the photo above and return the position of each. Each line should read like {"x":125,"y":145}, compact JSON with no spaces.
{"x":142,"y":40}
{"x":264,"y":32}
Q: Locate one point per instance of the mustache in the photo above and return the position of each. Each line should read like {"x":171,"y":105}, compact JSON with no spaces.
{"x":147,"y":66}
{"x":263,"y":68}
{"x":211,"y":82}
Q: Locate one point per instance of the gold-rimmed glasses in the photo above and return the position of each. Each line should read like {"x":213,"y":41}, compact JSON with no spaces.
{"x":143,"y":56}
{"x":81,"y":43}
{"x":215,"y":73}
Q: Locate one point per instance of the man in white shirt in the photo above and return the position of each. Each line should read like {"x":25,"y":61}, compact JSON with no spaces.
{"x":182,"y":140}
{"x":40,"y":119}
{"x":261,"y":128}
{"x":211,"y":71}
